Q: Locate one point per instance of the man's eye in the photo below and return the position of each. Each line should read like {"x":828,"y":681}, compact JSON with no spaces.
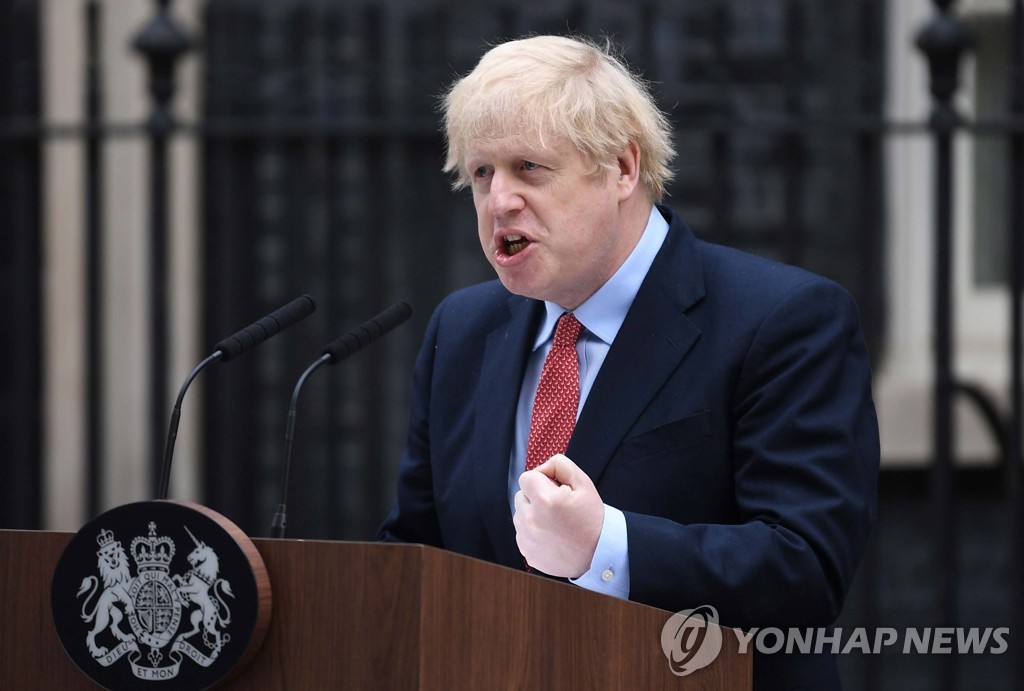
{"x":530,"y":165}
{"x":480,"y":172}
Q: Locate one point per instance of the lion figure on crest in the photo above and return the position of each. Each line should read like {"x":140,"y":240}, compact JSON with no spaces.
{"x":112,"y":563}
{"x":199,"y":587}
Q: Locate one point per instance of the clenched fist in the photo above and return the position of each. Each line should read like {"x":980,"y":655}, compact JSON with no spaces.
{"x":558,"y":518}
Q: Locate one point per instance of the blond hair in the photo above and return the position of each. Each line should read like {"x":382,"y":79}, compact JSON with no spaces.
{"x":553,"y":86}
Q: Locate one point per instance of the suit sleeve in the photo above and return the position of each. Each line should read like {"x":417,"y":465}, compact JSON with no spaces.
{"x":413,"y":517}
{"x":804,"y":448}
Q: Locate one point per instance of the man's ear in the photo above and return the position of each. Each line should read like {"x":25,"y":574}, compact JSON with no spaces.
{"x":629,"y":171}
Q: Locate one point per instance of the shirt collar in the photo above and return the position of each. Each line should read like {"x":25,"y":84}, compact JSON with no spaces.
{"x":603,"y":312}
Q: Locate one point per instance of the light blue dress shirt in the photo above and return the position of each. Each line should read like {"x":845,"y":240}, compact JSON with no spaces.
{"x":602,"y":316}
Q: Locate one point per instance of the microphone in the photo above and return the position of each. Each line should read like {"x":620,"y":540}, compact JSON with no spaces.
{"x":336,"y":351}
{"x":231,"y":347}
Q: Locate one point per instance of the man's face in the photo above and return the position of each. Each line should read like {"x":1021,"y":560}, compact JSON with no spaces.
{"x":550,"y":226}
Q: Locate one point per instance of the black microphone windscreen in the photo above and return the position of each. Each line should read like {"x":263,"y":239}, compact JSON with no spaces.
{"x":368,"y":332}
{"x":254,"y":334}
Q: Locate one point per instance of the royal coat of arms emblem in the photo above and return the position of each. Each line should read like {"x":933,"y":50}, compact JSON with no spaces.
{"x":153,"y":602}
{"x":162,"y":592}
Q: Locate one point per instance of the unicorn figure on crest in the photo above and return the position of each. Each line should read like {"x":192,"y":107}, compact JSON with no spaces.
{"x":199,"y":587}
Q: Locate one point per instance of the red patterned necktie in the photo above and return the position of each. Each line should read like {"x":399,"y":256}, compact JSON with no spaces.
{"x":558,"y":395}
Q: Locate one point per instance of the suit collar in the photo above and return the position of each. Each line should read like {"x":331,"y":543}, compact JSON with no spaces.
{"x":653,"y":341}
{"x":506,"y":351}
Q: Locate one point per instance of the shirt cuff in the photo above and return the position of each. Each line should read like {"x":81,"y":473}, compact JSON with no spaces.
{"x":609,"y":570}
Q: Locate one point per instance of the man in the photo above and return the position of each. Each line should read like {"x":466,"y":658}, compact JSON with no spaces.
{"x":724,"y":449}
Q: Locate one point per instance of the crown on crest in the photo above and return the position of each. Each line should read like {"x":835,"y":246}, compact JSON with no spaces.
{"x":108,"y":545}
{"x":153,"y":553}
{"x":104,"y":538}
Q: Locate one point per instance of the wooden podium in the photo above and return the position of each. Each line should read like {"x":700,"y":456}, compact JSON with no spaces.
{"x":387,"y":616}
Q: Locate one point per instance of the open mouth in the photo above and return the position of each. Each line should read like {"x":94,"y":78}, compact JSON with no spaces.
{"x":514,"y":244}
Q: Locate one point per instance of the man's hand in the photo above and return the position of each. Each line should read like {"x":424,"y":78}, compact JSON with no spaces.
{"x":558,"y":519}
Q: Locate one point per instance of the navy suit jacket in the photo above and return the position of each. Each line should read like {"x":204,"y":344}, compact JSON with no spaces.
{"x":732,"y":422}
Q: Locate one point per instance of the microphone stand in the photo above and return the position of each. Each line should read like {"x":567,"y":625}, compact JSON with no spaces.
{"x":278,"y":524}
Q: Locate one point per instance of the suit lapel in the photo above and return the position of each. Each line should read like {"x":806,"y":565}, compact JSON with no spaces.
{"x":655,"y":337}
{"x":504,"y":363}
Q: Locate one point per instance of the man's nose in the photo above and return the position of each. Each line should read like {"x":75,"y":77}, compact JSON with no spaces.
{"x":504,"y":196}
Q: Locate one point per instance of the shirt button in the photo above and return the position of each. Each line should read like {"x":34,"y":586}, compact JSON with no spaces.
{"x":607,"y":575}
